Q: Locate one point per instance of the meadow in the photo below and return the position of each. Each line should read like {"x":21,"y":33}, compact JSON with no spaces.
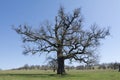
{"x":49,"y":75}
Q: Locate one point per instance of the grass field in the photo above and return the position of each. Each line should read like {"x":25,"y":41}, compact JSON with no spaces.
{"x":49,"y":75}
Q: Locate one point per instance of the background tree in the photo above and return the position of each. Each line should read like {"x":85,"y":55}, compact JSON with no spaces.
{"x":67,"y":38}
{"x":53,"y":64}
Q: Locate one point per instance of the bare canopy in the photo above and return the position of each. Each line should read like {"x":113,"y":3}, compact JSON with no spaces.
{"x":67,"y":38}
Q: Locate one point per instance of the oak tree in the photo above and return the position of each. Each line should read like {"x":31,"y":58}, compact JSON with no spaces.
{"x":68,"y":38}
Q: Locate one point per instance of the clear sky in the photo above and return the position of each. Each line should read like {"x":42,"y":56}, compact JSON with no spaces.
{"x":33,"y":12}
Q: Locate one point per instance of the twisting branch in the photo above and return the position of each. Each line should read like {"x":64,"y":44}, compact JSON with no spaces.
{"x":66,"y":38}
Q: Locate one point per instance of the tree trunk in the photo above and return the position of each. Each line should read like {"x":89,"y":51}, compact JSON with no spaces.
{"x":60,"y":69}
{"x":119,"y":68}
{"x":60,"y":61}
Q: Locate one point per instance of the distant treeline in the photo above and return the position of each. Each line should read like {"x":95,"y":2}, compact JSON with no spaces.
{"x":81,"y":67}
{"x":109,"y":66}
{"x":41,"y":67}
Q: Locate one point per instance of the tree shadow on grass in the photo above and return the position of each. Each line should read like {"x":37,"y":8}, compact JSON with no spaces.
{"x":30,"y":75}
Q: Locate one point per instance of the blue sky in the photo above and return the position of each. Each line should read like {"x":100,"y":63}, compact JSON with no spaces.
{"x":34,"y":12}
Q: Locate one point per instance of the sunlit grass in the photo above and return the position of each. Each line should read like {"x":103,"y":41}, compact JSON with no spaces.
{"x":49,"y":75}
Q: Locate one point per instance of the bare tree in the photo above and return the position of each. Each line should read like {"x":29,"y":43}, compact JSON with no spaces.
{"x":67,"y":38}
{"x":53,"y":64}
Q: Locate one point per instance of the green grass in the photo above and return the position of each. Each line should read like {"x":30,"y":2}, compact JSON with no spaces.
{"x":49,"y":75}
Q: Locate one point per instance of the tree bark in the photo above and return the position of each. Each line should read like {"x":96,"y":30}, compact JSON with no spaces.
{"x":60,"y":69}
{"x":119,"y":68}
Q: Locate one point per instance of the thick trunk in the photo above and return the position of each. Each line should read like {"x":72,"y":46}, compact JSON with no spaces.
{"x":60,"y":61}
{"x":60,"y":69}
{"x":119,"y":68}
